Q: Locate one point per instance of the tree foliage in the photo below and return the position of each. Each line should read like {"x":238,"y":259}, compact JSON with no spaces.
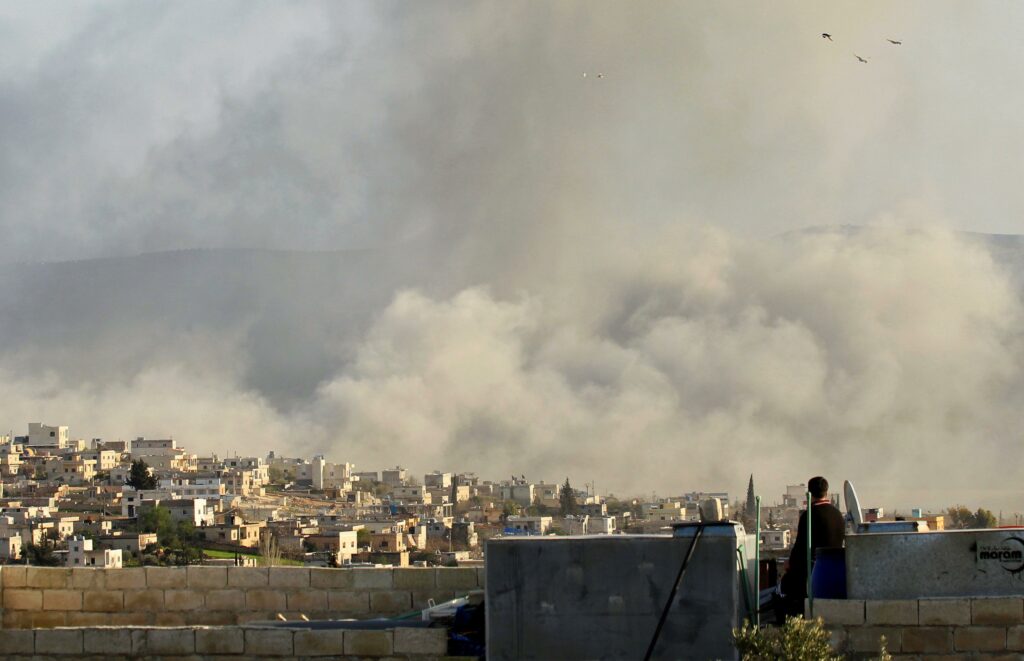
{"x":270,"y":551}
{"x":567,"y":499}
{"x":750,"y":508}
{"x":510,"y":508}
{"x":796,"y":640}
{"x":140,"y":478}
{"x":959,"y":517}
{"x":177,"y":539}
{"x":42,"y":554}
{"x":277,"y":476}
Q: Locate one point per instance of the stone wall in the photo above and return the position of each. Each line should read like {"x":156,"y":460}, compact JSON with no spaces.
{"x":980,"y":627}
{"x":42,"y":597}
{"x":122,"y":643}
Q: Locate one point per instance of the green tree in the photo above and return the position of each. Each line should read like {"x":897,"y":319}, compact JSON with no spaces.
{"x":509,"y":508}
{"x":140,"y":477}
{"x":567,"y":499}
{"x":959,"y":517}
{"x":750,"y":509}
{"x":277,"y":476}
{"x":797,"y":640}
{"x":155,"y":519}
{"x":985,"y":519}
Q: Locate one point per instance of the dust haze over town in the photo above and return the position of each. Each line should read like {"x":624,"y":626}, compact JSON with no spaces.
{"x":418,"y":233}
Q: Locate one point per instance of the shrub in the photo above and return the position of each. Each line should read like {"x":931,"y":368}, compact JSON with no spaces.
{"x":796,"y":640}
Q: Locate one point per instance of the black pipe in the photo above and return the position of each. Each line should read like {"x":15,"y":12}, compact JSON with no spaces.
{"x":672,"y":594}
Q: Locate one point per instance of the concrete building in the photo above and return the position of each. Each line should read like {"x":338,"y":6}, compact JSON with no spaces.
{"x":258,"y":468}
{"x":795,"y":496}
{"x":10,"y":460}
{"x":547,"y":494}
{"x":394,"y":477}
{"x":246,"y":535}
{"x":194,"y":510}
{"x":528,"y":525}
{"x":518,"y":492}
{"x":437,"y":480}
{"x":40,"y":435}
{"x":344,"y":543}
{"x":82,"y":554}
{"x":105,"y":460}
{"x":131,"y":500}
{"x":601,"y":525}
{"x":163,"y":454}
{"x":464,"y":533}
{"x":670,"y":511}
{"x":74,"y":470}
{"x":10,"y":548}
{"x":129,"y":543}
{"x":776,"y":540}
{"x":387,"y":542}
{"x":415,"y":494}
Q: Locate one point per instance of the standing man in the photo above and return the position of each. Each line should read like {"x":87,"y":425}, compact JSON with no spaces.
{"x":828,"y":529}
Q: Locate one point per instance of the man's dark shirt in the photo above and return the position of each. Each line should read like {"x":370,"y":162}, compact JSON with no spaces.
{"x":828,"y":529}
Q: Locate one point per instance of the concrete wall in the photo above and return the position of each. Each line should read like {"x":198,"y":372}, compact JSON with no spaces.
{"x":984,"y":627}
{"x":601,"y":597}
{"x":961,"y":563}
{"x":122,"y":643}
{"x":34,"y":597}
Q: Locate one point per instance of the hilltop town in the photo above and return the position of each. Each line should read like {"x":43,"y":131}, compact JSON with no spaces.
{"x":100,"y":503}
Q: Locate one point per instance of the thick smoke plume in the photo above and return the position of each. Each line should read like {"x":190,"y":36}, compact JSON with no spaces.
{"x":417,"y":233}
{"x":888,"y":356}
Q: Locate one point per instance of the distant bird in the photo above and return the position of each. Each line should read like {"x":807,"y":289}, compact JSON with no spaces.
{"x":600,"y":75}
{"x":894,"y":42}
{"x":826,"y":35}
{"x":860,"y":59}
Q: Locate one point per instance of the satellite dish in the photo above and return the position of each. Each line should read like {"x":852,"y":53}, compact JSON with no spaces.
{"x":853,"y":505}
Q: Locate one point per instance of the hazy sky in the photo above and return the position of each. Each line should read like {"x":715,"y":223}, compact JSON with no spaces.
{"x":139,"y":126}
{"x":581,"y":272}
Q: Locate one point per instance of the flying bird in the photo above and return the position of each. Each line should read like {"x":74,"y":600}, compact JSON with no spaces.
{"x":894,"y":42}
{"x":860,"y":59}
{"x":826,"y":35}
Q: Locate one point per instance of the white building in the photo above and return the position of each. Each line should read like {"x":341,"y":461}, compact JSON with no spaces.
{"x":411,"y":493}
{"x":601,"y":525}
{"x":394,"y":477}
{"x":668,"y":511}
{"x":10,"y":547}
{"x":437,"y":480}
{"x":518,"y":492}
{"x":40,"y":435}
{"x":528,"y":525}
{"x":773,"y":540}
{"x":82,"y":554}
{"x":193,"y":510}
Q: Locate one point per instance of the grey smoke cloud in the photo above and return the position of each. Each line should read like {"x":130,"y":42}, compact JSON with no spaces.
{"x":539,"y":271}
{"x":675,"y":361}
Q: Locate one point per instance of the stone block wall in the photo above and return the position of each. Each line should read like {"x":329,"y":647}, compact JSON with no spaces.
{"x":975,"y":628}
{"x":46,"y":597}
{"x":123,"y":643}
